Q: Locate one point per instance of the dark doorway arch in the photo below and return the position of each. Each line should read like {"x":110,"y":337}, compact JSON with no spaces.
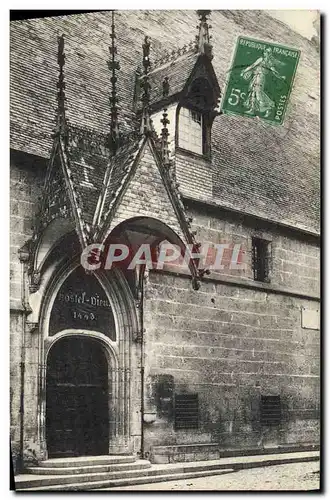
{"x":77,"y":411}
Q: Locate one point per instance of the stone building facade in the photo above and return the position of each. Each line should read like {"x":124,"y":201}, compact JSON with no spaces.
{"x":180,"y":363}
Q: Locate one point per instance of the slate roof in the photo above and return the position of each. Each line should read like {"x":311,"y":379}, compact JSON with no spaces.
{"x":178,"y":69}
{"x":272,"y":172}
{"x":119,"y":167}
{"x":88,"y":162}
{"x":122,"y":167}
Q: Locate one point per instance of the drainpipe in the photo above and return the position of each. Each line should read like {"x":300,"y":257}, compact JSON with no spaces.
{"x":24,"y":256}
{"x":140,"y":305}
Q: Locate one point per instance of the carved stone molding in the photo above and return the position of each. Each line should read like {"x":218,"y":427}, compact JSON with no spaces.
{"x":32,"y":327}
{"x":35,"y":279}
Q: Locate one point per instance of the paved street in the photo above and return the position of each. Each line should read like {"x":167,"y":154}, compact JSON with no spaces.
{"x":301,"y":476}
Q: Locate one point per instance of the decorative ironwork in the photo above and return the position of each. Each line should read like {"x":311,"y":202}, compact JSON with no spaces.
{"x":113,"y":66}
{"x":203,"y":39}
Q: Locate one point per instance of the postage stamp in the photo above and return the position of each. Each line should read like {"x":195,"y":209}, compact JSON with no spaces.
{"x":260,"y":80}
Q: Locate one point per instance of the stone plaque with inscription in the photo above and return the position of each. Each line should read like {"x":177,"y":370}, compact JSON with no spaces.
{"x":81,"y":303}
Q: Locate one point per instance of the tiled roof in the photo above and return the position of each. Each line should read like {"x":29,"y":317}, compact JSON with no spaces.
{"x":87,"y":162}
{"x":178,"y":71}
{"x":279,"y":183}
{"x":270,"y":171}
{"x":119,"y":169}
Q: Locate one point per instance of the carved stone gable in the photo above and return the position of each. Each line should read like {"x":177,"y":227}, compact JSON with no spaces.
{"x":56,"y":202}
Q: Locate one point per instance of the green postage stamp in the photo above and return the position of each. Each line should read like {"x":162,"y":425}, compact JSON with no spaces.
{"x":260,"y":80}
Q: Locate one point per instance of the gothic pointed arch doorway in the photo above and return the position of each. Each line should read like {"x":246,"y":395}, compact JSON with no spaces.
{"x":77,"y":385}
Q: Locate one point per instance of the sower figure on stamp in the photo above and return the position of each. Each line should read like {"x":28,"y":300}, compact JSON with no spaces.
{"x":257,"y":100}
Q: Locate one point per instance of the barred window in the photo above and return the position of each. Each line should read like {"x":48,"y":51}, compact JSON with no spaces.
{"x":270,"y":410}
{"x":261,"y":259}
{"x":186,"y":411}
{"x":191,"y":130}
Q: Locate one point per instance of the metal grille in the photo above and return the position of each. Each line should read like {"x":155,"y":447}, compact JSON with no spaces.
{"x":186,"y":411}
{"x":270,"y":410}
{"x":260,"y":259}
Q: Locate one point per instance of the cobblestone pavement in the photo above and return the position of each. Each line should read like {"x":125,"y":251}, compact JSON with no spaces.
{"x":301,"y":476}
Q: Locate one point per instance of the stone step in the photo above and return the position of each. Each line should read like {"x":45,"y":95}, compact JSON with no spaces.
{"x":212,"y":451}
{"x":99,"y":480}
{"x":89,"y":469}
{"x":86,"y":461}
{"x":31,"y":480}
{"x":112,"y":483}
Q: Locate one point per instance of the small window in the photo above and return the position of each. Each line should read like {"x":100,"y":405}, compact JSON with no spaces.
{"x":191,"y":130}
{"x":260,"y":259}
{"x":186,"y":411}
{"x":270,"y":410}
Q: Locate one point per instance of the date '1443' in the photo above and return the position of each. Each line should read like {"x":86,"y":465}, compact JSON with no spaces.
{"x":85,"y":316}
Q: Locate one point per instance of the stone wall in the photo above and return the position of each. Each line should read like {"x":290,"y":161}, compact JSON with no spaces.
{"x":26,"y":181}
{"x":269,"y":171}
{"x":230,"y":342}
{"x":295,"y":259}
{"x":233,"y":341}
{"x":26,"y":178}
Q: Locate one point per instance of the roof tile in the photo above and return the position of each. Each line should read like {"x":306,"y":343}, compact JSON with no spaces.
{"x":271,"y":171}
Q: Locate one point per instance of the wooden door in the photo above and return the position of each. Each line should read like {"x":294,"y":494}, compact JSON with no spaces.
{"x":77,"y":414}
